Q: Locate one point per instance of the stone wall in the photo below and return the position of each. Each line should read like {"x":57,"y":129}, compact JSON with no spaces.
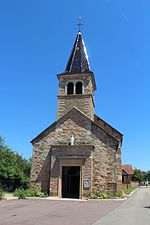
{"x":119,"y":169}
{"x":84,"y":101}
{"x":105,"y":126}
{"x":116,"y":168}
{"x":68,"y":155}
{"x":102,"y":166}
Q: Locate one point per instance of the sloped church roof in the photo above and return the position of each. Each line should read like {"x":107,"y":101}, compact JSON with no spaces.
{"x":78,"y":61}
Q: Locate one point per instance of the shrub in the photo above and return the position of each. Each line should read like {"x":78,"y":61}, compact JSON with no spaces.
{"x":20,"y":193}
{"x":119,"y":194}
{"x":39,"y":193}
{"x":35,"y":193}
{"x":30,"y":193}
{"x":93,"y":196}
{"x":101,"y":195}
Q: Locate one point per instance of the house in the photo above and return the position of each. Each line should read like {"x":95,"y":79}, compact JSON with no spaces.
{"x":127,"y":172}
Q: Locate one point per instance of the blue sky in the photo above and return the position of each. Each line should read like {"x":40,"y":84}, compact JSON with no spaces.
{"x":36,"y":38}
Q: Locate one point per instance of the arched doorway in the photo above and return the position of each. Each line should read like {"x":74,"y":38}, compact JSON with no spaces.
{"x":70,"y":181}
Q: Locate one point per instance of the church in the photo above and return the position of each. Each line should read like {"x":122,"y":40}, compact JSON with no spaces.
{"x":79,"y":154}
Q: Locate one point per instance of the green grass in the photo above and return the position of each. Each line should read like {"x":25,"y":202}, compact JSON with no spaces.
{"x":128,"y":191}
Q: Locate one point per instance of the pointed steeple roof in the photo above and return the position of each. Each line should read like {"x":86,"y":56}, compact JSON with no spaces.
{"x":78,"y":61}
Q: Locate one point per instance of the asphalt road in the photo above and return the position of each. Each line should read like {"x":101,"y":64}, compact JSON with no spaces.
{"x":134,"y":211}
{"x":48,"y":212}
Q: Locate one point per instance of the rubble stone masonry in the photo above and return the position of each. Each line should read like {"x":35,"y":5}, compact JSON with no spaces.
{"x":99,"y":163}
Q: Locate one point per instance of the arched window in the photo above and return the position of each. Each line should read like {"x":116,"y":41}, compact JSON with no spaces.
{"x":70,"y":88}
{"x":79,"y":88}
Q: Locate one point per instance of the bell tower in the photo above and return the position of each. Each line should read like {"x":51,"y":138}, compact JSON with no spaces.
{"x":77,"y":83}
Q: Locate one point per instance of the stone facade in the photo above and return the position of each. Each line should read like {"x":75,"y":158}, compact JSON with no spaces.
{"x":92,"y":162}
{"x":84,"y":101}
{"x":94,"y":151}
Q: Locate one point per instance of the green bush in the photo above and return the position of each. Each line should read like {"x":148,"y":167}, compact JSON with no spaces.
{"x":1,"y":194}
{"x":35,"y":193}
{"x":39,"y":193}
{"x":101,"y":195}
{"x":30,"y":193}
{"x":93,"y":196}
{"x":119,"y":194}
{"x":14,"y":169}
{"x":20,"y":193}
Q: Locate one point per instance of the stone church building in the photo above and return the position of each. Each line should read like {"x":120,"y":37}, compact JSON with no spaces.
{"x":79,"y":154}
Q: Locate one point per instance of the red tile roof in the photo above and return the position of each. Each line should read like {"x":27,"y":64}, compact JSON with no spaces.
{"x":127,"y":168}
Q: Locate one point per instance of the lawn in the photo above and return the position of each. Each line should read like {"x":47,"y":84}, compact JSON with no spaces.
{"x":127,"y":191}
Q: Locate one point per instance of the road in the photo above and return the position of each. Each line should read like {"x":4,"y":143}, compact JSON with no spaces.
{"x":135,"y":211}
{"x":48,"y":212}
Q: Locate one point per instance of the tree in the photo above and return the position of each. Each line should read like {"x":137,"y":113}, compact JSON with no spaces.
{"x":138,"y":175}
{"x":14,"y":170}
{"x":147,"y":175}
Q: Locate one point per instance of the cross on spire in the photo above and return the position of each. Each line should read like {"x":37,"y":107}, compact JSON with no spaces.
{"x":79,"y":24}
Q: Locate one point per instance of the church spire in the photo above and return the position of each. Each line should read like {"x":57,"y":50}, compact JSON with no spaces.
{"x":78,"y":61}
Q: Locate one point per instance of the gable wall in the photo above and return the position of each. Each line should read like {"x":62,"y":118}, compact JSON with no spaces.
{"x":83,"y":102}
{"x":102,"y":166}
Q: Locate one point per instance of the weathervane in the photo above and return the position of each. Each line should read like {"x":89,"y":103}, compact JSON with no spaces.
{"x":79,"y":24}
